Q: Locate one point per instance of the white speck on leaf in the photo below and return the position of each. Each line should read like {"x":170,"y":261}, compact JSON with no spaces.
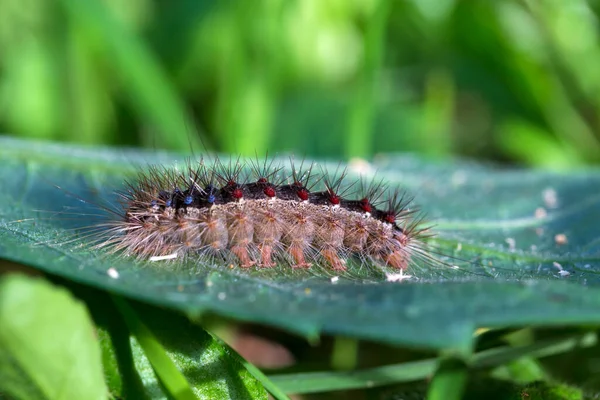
{"x":561,"y":271}
{"x":398,"y":277}
{"x":561,"y":239}
{"x":541,"y":213}
{"x":163,"y":258}
{"x":512,"y":243}
{"x":113,"y":273}
{"x":557,"y":265}
{"x":550,"y":198}
{"x":459,"y":178}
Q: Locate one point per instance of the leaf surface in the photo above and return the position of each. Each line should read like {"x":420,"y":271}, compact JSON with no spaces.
{"x":48,"y":349}
{"x":498,"y":227}
{"x":213,"y":372}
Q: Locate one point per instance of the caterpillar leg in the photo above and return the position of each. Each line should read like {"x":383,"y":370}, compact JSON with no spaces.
{"x":334,"y":260}
{"x":397,"y":259}
{"x":266,"y":256}
{"x":241,"y":252}
{"x":297,"y":253}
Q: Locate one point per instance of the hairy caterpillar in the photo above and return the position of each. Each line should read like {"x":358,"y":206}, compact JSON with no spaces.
{"x":256,"y":215}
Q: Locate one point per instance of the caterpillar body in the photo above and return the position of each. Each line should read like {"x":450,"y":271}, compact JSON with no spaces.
{"x":259,"y":217}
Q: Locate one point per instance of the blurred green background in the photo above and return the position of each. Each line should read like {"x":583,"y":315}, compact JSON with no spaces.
{"x":515,"y":81}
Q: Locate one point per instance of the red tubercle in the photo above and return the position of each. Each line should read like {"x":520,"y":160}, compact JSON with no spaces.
{"x":237,"y":193}
{"x":269,"y":192}
{"x":365,"y":205}
{"x":262,"y":180}
{"x":334,"y":199}
{"x":302,"y":194}
{"x":390,"y":218}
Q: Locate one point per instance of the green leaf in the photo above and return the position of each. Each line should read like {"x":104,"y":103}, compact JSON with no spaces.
{"x":150,"y":352}
{"x":188,"y":362}
{"x":512,"y":268}
{"x":47,"y":344}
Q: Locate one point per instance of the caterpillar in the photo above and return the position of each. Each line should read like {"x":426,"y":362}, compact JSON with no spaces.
{"x":254,"y":215}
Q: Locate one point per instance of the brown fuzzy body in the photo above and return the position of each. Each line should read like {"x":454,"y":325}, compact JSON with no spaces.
{"x":264,"y":232}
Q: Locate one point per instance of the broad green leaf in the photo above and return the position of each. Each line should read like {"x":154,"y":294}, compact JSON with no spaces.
{"x":47,"y":344}
{"x":153,"y":353}
{"x":511,"y":267}
{"x":176,"y":350}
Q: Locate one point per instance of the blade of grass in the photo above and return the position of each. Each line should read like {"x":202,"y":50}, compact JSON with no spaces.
{"x":313,"y":382}
{"x":449,"y":380}
{"x":345,"y":353}
{"x":140,"y":72}
{"x":362,"y":112}
{"x":435,"y":138}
